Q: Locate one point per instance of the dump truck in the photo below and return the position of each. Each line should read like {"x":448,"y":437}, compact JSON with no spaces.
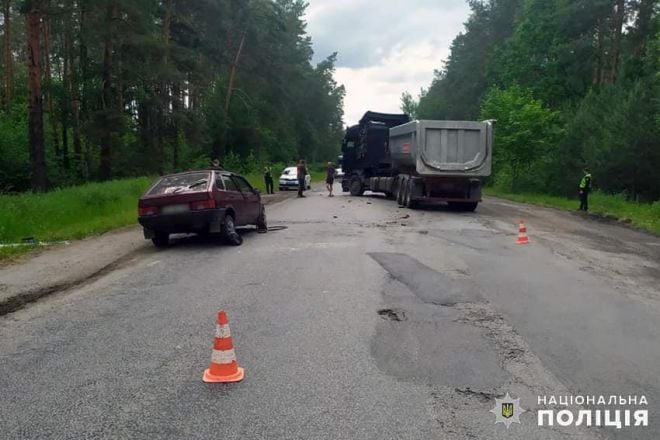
{"x":418,"y":161}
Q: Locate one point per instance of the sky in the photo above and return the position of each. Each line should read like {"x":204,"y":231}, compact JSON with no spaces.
{"x":384,"y":47}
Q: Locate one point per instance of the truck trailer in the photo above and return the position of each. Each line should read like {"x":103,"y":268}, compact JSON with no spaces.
{"x":418,"y":161}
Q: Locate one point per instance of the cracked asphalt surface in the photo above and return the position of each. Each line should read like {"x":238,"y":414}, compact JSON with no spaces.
{"x":360,"y":320}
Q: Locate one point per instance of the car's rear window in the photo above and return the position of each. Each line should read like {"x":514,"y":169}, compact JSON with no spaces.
{"x":183,"y":183}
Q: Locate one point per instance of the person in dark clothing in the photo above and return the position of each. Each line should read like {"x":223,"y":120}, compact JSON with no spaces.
{"x":302,"y":172}
{"x":584,"y":188}
{"x":268,"y":179}
{"x":215,"y":164}
{"x":330,"y":178}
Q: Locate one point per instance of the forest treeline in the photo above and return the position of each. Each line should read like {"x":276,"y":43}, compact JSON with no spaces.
{"x":572,"y":83}
{"x":101,"y":89}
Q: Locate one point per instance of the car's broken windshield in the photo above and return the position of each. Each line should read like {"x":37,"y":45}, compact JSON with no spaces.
{"x":193,"y":182}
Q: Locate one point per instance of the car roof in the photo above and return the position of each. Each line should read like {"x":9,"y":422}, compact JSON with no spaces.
{"x":204,"y":170}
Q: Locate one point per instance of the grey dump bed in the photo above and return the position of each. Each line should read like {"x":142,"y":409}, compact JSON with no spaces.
{"x":443,"y":148}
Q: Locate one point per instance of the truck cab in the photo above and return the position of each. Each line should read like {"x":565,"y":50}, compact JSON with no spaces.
{"x":365,"y":147}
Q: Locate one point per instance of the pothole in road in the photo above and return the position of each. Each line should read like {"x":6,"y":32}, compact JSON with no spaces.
{"x":392,"y":315}
{"x":480,"y":395}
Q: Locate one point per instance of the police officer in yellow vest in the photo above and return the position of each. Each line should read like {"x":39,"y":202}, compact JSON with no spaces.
{"x":584,"y":189}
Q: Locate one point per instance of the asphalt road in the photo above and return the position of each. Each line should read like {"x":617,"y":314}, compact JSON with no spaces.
{"x":360,"y":320}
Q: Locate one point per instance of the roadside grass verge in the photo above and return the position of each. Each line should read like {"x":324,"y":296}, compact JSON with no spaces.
{"x":644,"y":216}
{"x":68,"y":213}
{"x":80,"y":211}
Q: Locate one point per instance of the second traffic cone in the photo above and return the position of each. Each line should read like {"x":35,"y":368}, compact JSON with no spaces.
{"x":522,"y":233}
{"x":223,"y":367}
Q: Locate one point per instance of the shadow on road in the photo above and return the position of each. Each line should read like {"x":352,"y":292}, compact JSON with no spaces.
{"x":421,"y":206}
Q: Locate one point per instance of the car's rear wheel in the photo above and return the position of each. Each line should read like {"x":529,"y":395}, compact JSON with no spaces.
{"x":228,"y":231}
{"x":161,"y":239}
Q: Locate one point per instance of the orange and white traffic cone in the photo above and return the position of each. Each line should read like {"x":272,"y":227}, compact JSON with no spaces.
{"x":522,"y":233}
{"x":223,"y":367}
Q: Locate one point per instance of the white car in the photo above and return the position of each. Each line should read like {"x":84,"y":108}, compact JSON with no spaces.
{"x":289,"y":179}
{"x":339,"y":173}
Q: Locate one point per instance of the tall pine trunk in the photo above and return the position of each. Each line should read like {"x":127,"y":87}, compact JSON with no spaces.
{"x":8,"y":79}
{"x":163,"y":92}
{"x":77,"y":104}
{"x":66,"y":78}
{"x":48,"y":83}
{"x":617,"y":30}
{"x":176,"y":109}
{"x":33,"y":28}
{"x":109,"y":106}
{"x":219,"y":150}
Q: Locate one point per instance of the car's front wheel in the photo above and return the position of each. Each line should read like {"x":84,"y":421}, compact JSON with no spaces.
{"x":161,"y":239}
{"x":228,"y":231}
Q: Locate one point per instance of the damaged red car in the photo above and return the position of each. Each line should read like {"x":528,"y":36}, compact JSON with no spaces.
{"x":203,"y":202}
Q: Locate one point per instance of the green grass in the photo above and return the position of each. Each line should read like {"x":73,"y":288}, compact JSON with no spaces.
{"x":642,"y":215}
{"x":69,"y":213}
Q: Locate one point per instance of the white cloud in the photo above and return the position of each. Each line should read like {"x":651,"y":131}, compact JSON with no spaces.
{"x":379,"y":87}
{"x":384,"y":47}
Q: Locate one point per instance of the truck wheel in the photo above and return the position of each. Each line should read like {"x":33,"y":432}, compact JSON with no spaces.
{"x":161,"y":239}
{"x":401,"y":190}
{"x":357,"y":189}
{"x":410,"y":203}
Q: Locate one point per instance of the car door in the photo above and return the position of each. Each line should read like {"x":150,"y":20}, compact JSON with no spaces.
{"x":234,"y":198}
{"x":252,"y":199}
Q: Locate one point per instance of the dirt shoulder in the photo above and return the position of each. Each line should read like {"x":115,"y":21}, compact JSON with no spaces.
{"x":63,"y":266}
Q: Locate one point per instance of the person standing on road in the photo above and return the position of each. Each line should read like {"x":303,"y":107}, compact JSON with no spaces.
{"x":215,"y":164}
{"x":268,"y":179}
{"x":584,"y":189}
{"x":302,"y":172}
{"x":330,"y":178}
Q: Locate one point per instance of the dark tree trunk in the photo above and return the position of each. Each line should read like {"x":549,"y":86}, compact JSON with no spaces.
{"x":146,"y":131}
{"x":176,"y":110}
{"x":68,"y":84}
{"x":220,"y":148}
{"x":109,"y":117}
{"x":52,"y":120}
{"x":78,"y":106}
{"x":617,"y":30}
{"x":163,"y":92}
{"x":8,"y":59}
{"x":35,"y":99}
{"x":600,"y":54}
{"x":643,"y":26}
